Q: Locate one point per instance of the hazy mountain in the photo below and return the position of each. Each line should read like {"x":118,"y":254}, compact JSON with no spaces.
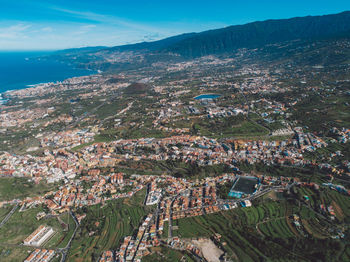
{"x":219,"y":41}
{"x":258,"y":34}
{"x":154,"y":46}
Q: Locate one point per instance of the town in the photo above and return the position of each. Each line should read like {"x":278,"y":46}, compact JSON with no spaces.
{"x":196,"y":160}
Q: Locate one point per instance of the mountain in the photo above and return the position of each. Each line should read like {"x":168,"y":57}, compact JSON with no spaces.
{"x":88,"y":49}
{"x":219,"y":41}
{"x":257,"y":34}
{"x":155,"y":45}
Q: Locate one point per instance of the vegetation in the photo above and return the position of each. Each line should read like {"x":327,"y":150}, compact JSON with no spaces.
{"x":166,"y":254}
{"x":14,"y":254}
{"x":15,"y":187}
{"x":22,"y":224}
{"x":263,"y":233}
{"x":106,"y":225}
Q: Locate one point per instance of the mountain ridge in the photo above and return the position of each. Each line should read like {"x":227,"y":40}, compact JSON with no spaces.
{"x":255,"y":34}
{"x":219,"y":41}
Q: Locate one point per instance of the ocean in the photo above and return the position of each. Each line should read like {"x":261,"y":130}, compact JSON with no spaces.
{"x":20,"y":70}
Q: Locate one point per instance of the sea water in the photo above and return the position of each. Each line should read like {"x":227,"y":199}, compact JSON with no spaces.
{"x":20,"y":70}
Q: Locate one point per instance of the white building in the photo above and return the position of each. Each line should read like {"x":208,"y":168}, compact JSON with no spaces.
{"x":39,"y":236}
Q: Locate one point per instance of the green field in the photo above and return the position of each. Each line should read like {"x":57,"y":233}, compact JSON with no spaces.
{"x":16,"y":187}
{"x":276,"y":228}
{"x":238,"y":127}
{"x":261,"y":233}
{"x":343,"y":202}
{"x":62,"y":239}
{"x":167,"y":254}
{"x":21,"y":225}
{"x":117,"y":219}
{"x":306,"y":174}
{"x":4,"y":211}
{"x":14,"y":254}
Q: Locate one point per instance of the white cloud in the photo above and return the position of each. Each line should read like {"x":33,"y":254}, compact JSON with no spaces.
{"x":47,"y":29}
{"x":14,"y":31}
{"x":84,"y":29}
{"x":110,"y":20}
{"x":88,"y":26}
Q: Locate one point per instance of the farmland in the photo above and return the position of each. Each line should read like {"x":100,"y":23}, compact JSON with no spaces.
{"x":17,"y":187}
{"x":4,"y":211}
{"x":109,"y":223}
{"x":19,"y":227}
{"x":14,"y":254}
{"x":164,"y":253}
{"x":23,"y":224}
{"x":265,"y":231}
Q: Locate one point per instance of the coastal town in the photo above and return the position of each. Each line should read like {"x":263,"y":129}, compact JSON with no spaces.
{"x":186,"y":160}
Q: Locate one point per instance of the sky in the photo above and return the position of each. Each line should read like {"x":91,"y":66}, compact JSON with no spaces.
{"x":61,"y":24}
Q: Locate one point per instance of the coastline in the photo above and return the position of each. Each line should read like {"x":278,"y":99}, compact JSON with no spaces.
{"x":3,"y":100}
{"x":24,"y":70}
{"x":6,"y":96}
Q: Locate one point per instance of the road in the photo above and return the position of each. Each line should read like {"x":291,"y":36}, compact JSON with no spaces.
{"x":64,"y":251}
{"x":8,"y":216}
{"x":170,"y":229}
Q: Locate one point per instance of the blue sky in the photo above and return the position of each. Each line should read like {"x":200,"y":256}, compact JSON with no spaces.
{"x":59,"y":24}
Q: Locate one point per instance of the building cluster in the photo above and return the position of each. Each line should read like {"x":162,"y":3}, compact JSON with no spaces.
{"x":216,"y":111}
{"x":66,"y":139}
{"x":185,"y":198}
{"x":40,"y":255}
{"x":180,"y":244}
{"x":107,"y":256}
{"x":94,"y":189}
{"x":21,"y":117}
{"x":342,"y":135}
{"x":60,"y":164}
{"x":193,"y":202}
{"x":134,"y":248}
{"x":308,"y":141}
{"x":53,"y":166}
{"x":260,"y":81}
{"x":90,"y":84}
{"x":208,"y":151}
{"x":338,"y":188}
{"x":211,"y":109}
{"x":39,"y":236}
{"x":154,"y":195}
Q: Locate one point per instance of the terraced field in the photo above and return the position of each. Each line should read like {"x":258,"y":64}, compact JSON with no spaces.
{"x":276,"y":228}
{"x":341,"y":206}
{"x":345,"y":256}
{"x":237,"y":227}
{"x":110,"y":224}
{"x":261,"y":233}
{"x":313,"y":228}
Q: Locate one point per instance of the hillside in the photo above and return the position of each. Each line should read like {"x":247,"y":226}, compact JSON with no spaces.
{"x":224,"y":40}
{"x":258,"y":34}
